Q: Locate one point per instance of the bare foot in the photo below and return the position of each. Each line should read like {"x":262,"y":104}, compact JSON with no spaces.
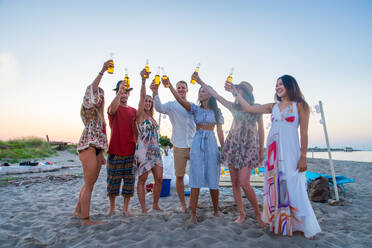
{"x":217,"y":214}
{"x":240,"y":220}
{"x":76,"y":214}
{"x":309,"y":238}
{"x":90,"y":222}
{"x":259,"y":219}
{"x":182,"y":209}
{"x":111,"y":211}
{"x":197,"y":206}
{"x":193,"y":219}
{"x":127,"y":213}
{"x":157,"y":208}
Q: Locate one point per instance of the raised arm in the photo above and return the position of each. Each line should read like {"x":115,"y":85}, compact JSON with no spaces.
{"x":116,"y":101}
{"x":261,"y":138}
{"x":161,"y":108}
{"x":304,"y":115}
{"x":141,"y":103}
{"x":183,"y":102}
{"x":220,"y":134}
{"x":212,"y":92}
{"x":99,"y":76}
{"x":246,"y":107}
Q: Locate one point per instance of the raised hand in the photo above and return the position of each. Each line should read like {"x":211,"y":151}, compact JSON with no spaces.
{"x":196,"y":77}
{"x":144,"y":74}
{"x":229,"y":87}
{"x":154,"y":87}
{"x":106,"y":65}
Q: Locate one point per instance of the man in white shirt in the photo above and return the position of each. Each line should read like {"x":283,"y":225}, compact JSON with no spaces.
{"x":183,"y":131}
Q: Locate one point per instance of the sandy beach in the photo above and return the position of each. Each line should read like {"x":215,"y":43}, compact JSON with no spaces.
{"x":36,"y":212}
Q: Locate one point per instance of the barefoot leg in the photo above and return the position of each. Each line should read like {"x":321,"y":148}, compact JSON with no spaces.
{"x":194,"y":196}
{"x":214,"y":196}
{"x":141,"y":191}
{"x":91,"y":171}
{"x":157,"y":172}
{"x":234,"y":174}
{"x":244,"y":178}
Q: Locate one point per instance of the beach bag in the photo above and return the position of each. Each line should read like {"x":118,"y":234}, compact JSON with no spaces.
{"x":319,"y":190}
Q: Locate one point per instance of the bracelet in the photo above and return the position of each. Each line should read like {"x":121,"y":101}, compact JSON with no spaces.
{"x":100,"y":73}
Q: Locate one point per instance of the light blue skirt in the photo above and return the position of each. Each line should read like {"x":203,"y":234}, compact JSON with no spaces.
{"x":205,"y":165}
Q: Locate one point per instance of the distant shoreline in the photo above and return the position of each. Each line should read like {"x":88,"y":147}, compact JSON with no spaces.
{"x":335,"y":150}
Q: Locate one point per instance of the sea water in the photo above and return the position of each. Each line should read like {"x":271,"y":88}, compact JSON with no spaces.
{"x":360,"y":156}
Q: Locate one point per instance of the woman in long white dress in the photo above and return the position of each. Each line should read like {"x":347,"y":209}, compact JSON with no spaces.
{"x":286,"y":206}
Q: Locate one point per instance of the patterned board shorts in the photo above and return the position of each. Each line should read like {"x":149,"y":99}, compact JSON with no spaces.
{"x":120,"y":168}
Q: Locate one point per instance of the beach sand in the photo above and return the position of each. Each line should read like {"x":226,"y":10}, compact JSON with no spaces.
{"x":38,"y":214}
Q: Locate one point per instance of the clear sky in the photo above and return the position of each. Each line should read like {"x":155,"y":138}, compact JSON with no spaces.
{"x":51,"y":50}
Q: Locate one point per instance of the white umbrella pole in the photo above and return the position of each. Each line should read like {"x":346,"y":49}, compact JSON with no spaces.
{"x":329,"y":150}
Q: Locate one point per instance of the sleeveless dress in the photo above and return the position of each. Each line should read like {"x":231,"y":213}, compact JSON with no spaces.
{"x":94,"y":133}
{"x":286,"y":206}
{"x":241,"y":147}
{"x":147,"y":153}
{"x":204,"y":155}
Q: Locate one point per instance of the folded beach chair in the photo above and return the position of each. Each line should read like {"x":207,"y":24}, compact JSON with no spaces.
{"x":340,"y":179}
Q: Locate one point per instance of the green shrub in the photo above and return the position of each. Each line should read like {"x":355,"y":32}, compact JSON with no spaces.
{"x":21,"y":149}
{"x":164,"y":141}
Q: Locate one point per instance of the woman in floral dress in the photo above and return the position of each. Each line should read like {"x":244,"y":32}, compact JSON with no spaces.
{"x":147,"y":157}
{"x":92,"y":144}
{"x":243,"y":148}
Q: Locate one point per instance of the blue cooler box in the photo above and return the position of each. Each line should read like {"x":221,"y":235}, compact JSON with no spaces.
{"x":165,"y":188}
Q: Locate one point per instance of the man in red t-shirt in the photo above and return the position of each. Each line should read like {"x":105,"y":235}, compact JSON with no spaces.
{"x":122,"y":146}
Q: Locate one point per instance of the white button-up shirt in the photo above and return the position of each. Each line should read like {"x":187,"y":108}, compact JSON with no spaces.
{"x":183,"y":125}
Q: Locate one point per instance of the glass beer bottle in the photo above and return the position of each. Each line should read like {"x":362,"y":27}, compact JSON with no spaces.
{"x":229,"y":78}
{"x":126,"y":79}
{"x":111,"y":67}
{"x":157,"y":77}
{"x":164,"y":78}
{"x":193,"y":81}
{"x":147,"y":68}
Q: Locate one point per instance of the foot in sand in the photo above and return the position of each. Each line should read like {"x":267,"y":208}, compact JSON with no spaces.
{"x":197,"y":206}
{"x":259,"y":219}
{"x":193,"y":219}
{"x":240,"y":220}
{"x":217,"y":214}
{"x":182,"y":209}
{"x":111,"y":211}
{"x":89,"y":222}
{"x":127,"y":213}
{"x":76,"y":214}
{"x":157,"y":208}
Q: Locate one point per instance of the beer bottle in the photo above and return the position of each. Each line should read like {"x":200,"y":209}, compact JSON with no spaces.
{"x":111,"y":67}
{"x":147,"y":68}
{"x":164,"y":78}
{"x":157,"y":76}
{"x":229,"y":78}
{"x":193,"y":81}
{"x":126,"y":79}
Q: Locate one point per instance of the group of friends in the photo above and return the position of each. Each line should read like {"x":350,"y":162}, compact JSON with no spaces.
{"x":134,"y":149}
